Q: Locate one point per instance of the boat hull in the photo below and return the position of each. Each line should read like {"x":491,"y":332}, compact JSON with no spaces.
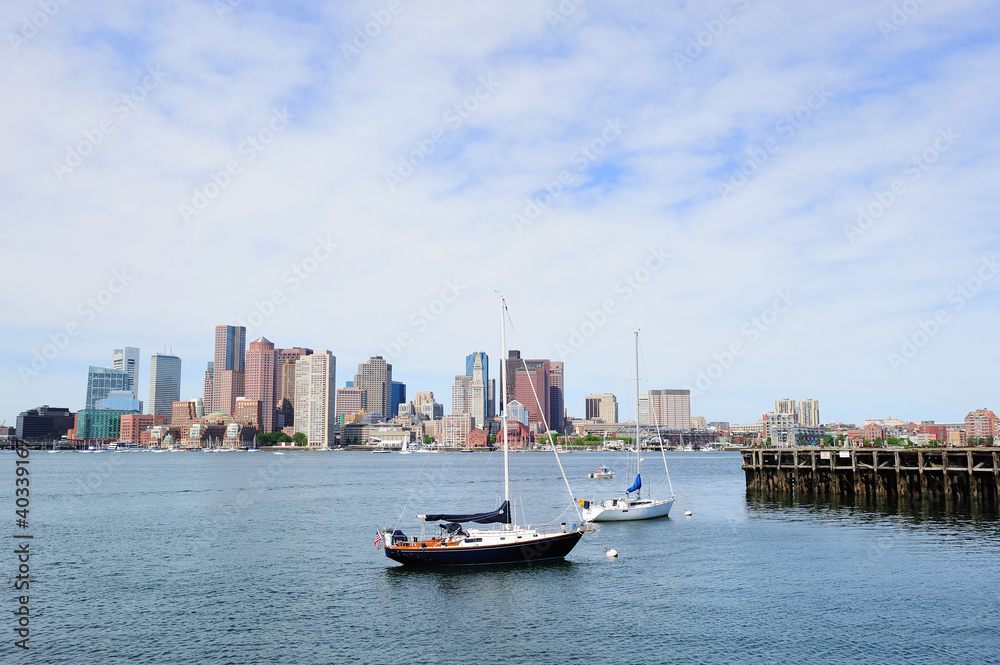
{"x":628,"y":513}
{"x":542,"y":549}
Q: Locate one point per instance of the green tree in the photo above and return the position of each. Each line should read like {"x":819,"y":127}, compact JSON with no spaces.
{"x":428,"y":440}
{"x":299,"y":439}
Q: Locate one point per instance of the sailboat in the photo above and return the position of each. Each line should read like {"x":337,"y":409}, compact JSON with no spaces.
{"x":405,"y":450}
{"x":629,"y":507}
{"x":454,"y":545}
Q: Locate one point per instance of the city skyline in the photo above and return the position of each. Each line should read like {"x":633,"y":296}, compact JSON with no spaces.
{"x":786,"y":202}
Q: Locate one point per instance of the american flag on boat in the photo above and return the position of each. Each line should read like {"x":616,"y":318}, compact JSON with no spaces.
{"x":378,"y":539}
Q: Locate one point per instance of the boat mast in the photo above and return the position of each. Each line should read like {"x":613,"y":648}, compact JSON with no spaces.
{"x":503,"y":405}
{"x":638,"y":450}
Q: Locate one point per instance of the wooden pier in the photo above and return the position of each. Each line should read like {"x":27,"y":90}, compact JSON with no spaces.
{"x":960,"y":475}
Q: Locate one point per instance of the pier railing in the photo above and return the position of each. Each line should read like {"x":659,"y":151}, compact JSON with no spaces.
{"x":949,"y":474}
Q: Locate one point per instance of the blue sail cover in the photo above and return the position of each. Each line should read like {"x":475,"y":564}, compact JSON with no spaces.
{"x":501,"y":516}
{"x":636,"y":485}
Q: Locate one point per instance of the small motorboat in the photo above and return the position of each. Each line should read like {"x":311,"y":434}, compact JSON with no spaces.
{"x":602,"y":472}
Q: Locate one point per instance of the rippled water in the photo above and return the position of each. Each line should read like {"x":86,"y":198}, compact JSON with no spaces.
{"x":258,"y":558}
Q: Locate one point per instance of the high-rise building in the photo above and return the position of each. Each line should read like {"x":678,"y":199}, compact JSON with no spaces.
{"x":517,"y":411}
{"x":670,"y":409}
{"x":538,"y":386}
{"x":809,"y":413}
{"x":350,"y":401}
{"x":228,"y":368}
{"x":133,"y":424}
{"x":183,"y":414}
{"x":603,"y":407}
{"x":489,"y":408}
{"x":980,"y":424}
{"x":128,"y":360}
{"x":316,"y":397}
{"x":375,"y":378}
{"x":420,"y":398}
{"x":259,"y":379}
{"x":101,"y":381}
{"x":785,"y":406}
{"x":461,"y":392}
{"x":398,"y":397}
{"x":643,"y":414}
{"x":284,"y":384}
{"x":209,"y":379}
{"x":164,"y":383}
{"x":477,"y":392}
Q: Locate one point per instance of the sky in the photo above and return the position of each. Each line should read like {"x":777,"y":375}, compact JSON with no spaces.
{"x":787,"y":199}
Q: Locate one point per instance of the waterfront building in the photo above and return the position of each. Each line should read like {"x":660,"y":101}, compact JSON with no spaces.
{"x":809,"y":413}
{"x":980,"y":424}
{"x":164,"y":383}
{"x":489,"y":406}
{"x":748,"y":431}
{"x":134,"y":424}
{"x":603,"y":407}
{"x":375,"y":378}
{"x":120,"y":400}
{"x":182,"y":414}
{"x":350,"y":401}
{"x":44,"y":423}
{"x":127,"y":359}
{"x":249,"y":412}
{"x":316,"y":397}
{"x":698,"y":422}
{"x":260,"y":383}
{"x":104,"y":424}
{"x":454,"y":430}
{"x":228,"y":368}
{"x":874,"y":430}
{"x":670,"y":409}
{"x":398,"y":397}
{"x":432,"y":410}
{"x":477,"y":393}
{"x":101,"y":381}
{"x":528,"y":379}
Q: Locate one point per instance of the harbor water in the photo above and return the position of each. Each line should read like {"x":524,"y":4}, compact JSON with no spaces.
{"x":261,"y":558}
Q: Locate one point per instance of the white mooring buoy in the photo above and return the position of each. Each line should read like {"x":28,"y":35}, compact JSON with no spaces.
{"x":611,"y":553}
{"x":687,"y":513}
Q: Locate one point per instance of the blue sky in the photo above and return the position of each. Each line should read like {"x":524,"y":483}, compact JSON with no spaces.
{"x":517,"y":146}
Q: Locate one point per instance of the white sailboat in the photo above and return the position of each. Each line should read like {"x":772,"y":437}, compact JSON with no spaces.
{"x":405,"y":450}
{"x":632,"y":506}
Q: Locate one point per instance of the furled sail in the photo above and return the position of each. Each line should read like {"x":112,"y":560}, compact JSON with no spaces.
{"x":501,"y":516}
{"x":636,"y":485}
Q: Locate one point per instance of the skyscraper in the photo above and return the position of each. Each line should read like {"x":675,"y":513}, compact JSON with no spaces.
{"x":398,"y":397}
{"x":316,"y":397}
{"x":284,"y":384}
{"x":477,"y":392}
{"x":461,"y":391}
{"x":809,"y":412}
{"x":785,"y":406}
{"x":259,"y":380}
{"x":538,"y":386}
{"x":101,"y":381}
{"x":375,"y":378}
{"x":470,"y":361}
{"x":230,"y":360}
{"x":208,"y":399}
{"x":164,"y":383}
{"x":128,"y":360}
{"x":350,"y":401}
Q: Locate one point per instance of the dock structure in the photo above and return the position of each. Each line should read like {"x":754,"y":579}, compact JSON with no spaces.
{"x":938,"y":474}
